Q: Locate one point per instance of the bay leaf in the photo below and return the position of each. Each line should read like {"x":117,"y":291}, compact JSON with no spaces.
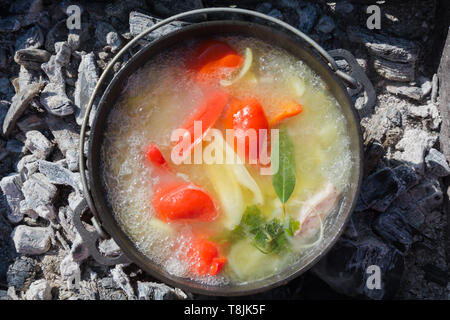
{"x":284,"y":179}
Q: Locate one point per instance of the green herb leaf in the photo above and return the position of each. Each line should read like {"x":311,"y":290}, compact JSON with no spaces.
{"x":292,"y":226}
{"x":266,"y":236}
{"x":284,"y":179}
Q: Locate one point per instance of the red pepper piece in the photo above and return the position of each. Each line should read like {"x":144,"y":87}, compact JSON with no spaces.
{"x":183,"y":201}
{"x":155,"y":156}
{"x":214,"y":60}
{"x":175,"y":199}
{"x":207,"y":113}
{"x":243,"y":115}
{"x":203,"y":258}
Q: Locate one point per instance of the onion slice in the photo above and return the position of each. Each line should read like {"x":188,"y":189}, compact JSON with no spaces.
{"x":248,"y":55}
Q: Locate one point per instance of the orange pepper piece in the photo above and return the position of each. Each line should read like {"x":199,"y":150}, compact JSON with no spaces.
{"x":286,"y":110}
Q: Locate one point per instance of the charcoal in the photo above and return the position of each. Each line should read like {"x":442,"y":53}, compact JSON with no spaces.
{"x":166,"y":8}
{"x":395,"y":71}
{"x":120,"y":9}
{"x":39,"y":195}
{"x":381,"y":188}
{"x":57,"y":33}
{"x":434,"y":88}
{"x":60,"y":175}
{"x":28,"y":165}
{"x":392,"y":227}
{"x":107,"y":35}
{"x":108,"y":290}
{"x":72,"y":159}
{"x":31,"y":122}
{"x":27,"y":77}
{"x":31,"y":58}
{"x":65,"y":133}
{"x":31,"y":240}
{"x":19,"y":103}
{"x":389,"y":48}
{"x":6,"y":89}
{"x":87,"y":79}
{"x":63,"y":52}
{"x":69,"y":269}
{"x":33,"y":38}
{"x":9,"y":24}
{"x":158,"y":291}
{"x":307,"y":17}
{"x":344,"y":7}
{"x":21,"y":272}
{"x":411,"y":92}
{"x":436,"y":275}
{"x":122,"y":280}
{"x":38,"y":144}
{"x":325,"y":24}
{"x":54,"y":97}
{"x":413,"y":146}
{"x":7,"y":250}
{"x":344,"y":268}
{"x":140,"y":22}
{"x":437,"y":164}
{"x":28,"y":11}
{"x":13,"y":194}
{"x":14,"y":146}
{"x":65,"y":220}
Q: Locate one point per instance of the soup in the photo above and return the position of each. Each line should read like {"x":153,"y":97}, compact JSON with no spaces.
{"x":224,"y":158}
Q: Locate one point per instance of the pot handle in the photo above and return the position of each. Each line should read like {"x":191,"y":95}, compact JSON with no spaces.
{"x":91,"y":238}
{"x":363,"y":82}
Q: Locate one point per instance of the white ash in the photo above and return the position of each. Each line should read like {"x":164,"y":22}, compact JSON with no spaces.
{"x":109,"y":248}
{"x":123,"y":281}
{"x":158,"y":291}
{"x":413,"y":146}
{"x":39,"y":290}
{"x":31,"y":240}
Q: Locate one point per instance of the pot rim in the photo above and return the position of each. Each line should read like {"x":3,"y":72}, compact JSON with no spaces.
{"x":115,"y":231}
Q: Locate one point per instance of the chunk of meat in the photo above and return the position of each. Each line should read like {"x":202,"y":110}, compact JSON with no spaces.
{"x":316,"y":208}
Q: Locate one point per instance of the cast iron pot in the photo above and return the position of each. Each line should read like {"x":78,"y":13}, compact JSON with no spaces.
{"x":103,"y":216}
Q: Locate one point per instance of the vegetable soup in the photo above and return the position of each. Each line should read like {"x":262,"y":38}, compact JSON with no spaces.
{"x":169,"y":137}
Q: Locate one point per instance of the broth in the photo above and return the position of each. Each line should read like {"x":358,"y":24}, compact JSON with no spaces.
{"x":160,"y":97}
